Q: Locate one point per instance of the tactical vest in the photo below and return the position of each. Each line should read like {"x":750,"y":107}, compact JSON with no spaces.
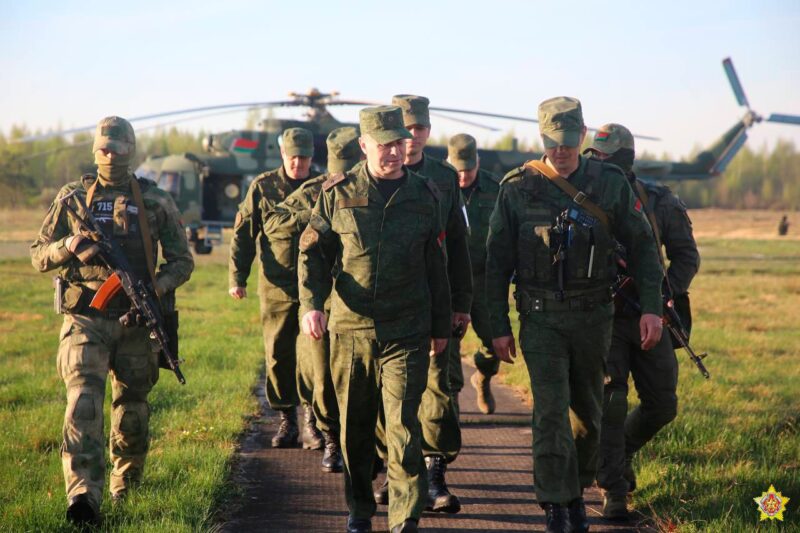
{"x":585,"y":241}
{"x":117,"y":213}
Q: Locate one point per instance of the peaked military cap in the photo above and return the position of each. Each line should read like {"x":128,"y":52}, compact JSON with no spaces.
{"x":415,"y":109}
{"x":383,"y":123}
{"x":610,"y":138}
{"x":115,"y":134}
{"x":561,"y":121}
{"x":297,"y":142}
{"x":343,"y":149}
{"x":462,"y":152}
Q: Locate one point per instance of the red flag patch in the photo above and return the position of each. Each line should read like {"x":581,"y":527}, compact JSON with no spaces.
{"x":440,"y":238}
{"x":638,"y":205}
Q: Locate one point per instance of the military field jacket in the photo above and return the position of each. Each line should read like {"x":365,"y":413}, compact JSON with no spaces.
{"x":116,"y":211}
{"x":480,"y":204}
{"x":528,"y":204}
{"x":265,"y":192}
{"x":390,"y":279}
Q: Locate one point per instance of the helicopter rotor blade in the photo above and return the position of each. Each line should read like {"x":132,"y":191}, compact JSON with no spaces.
{"x":784,"y":119}
{"x":467,"y":122}
{"x":736,"y":85}
{"x":231,"y":107}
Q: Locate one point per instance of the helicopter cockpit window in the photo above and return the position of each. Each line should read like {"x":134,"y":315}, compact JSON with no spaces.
{"x":170,"y":182}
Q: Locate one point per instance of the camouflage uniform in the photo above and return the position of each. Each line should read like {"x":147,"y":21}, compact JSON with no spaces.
{"x":93,"y":343}
{"x":286,"y":222}
{"x":565,"y":336}
{"x":441,"y":434}
{"x":389,"y":294}
{"x":479,"y":200}
{"x":277,"y":288}
{"x":655,"y":371}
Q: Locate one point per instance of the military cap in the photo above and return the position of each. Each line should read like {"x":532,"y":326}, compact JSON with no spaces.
{"x":115,"y":134}
{"x":297,"y":142}
{"x":561,"y":122}
{"x":415,"y":109}
{"x":343,"y":149}
{"x":383,"y":123}
{"x":462,"y":152}
{"x":610,"y":138}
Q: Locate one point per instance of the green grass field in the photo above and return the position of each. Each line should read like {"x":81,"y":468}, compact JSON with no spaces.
{"x":734,"y":436}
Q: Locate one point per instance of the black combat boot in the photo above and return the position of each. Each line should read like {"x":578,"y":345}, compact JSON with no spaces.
{"x":556,"y":518}
{"x":82,"y":512}
{"x":312,"y":438}
{"x":577,"y":516}
{"x":629,"y":474}
{"x":287,"y":434}
{"x":439,"y":498}
{"x":408,"y":526}
{"x":332,"y":458}
{"x":381,"y":494}
{"x":358,"y":525}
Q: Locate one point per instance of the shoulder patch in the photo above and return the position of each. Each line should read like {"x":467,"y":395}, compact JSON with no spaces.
{"x":332,"y":180}
{"x":309,"y":238}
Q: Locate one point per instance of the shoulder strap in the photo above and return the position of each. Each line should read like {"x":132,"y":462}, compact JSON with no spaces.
{"x":145,"y":227}
{"x":577,"y":196}
{"x":333,"y":179}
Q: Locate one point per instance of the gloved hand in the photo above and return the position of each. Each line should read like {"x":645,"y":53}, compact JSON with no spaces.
{"x":81,"y":247}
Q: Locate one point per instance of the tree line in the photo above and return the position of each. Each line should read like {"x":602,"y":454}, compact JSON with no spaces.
{"x":32,"y":172}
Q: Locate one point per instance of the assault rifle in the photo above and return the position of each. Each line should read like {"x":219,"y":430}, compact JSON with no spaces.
{"x":620,"y":291}
{"x":145,"y":307}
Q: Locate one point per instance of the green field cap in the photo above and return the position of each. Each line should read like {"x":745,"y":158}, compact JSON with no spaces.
{"x":560,"y":122}
{"x":343,"y":149}
{"x":462,"y":152}
{"x":115,"y":134}
{"x":415,"y":109}
{"x":610,"y":138}
{"x":297,"y":142}
{"x":383,"y":123}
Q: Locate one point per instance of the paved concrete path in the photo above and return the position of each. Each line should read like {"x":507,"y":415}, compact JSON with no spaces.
{"x":285,"y":490}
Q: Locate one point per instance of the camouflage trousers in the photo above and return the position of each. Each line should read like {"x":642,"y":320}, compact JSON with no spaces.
{"x":438,"y":415}
{"x":565,"y":353}
{"x":655,"y":375}
{"x":288,"y":383}
{"x":314,"y":361}
{"x":89,"y":349}
{"x":368,"y":374}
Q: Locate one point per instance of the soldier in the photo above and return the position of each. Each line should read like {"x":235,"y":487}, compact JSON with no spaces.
{"x":287,"y":221}
{"x":277,"y":286}
{"x":655,"y":371}
{"x":552,"y":230}
{"x":783,"y":226}
{"x":374,"y":245}
{"x":138,"y":215}
{"x":441,"y":435}
{"x":479,"y":189}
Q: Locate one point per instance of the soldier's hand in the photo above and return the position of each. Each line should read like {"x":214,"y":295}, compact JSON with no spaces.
{"x":505,"y":348}
{"x":81,"y":247}
{"x":237,"y":293}
{"x":437,"y":346}
{"x":463,"y":320}
{"x":650,"y":328}
{"x":314,"y":324}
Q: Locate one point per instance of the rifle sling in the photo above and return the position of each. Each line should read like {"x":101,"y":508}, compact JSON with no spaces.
{"x":578,"y":196}
{"x":651,"y":217}
{"x":144,"y":225}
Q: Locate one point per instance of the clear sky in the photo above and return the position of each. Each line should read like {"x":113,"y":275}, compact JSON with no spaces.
{"x":653,"y":66}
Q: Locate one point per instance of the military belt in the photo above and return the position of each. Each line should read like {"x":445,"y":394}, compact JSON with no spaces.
{"x":531,"y":300}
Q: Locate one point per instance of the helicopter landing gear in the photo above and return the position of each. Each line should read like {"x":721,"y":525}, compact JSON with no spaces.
{"x":200,"y":245}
